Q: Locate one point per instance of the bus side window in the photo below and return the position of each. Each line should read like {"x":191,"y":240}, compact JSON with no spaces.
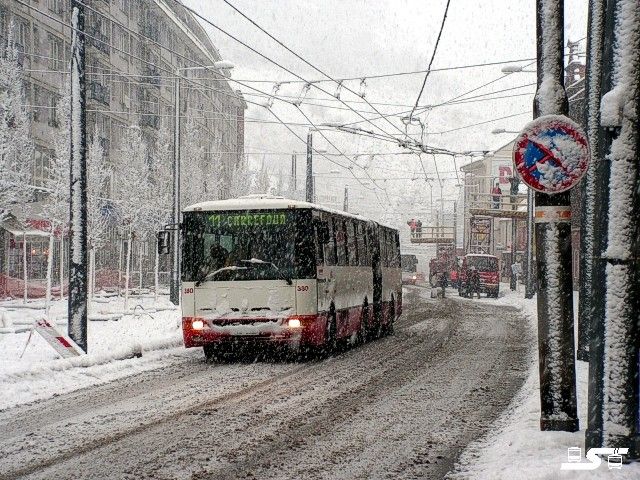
{"x":330,"y":246}
{"x":361,"y":239}
{"x":341,"y":243}
{"x":320,"y":246}
{"x":383,"y":247}
{"x":396,"y":249}
{"x":352,"y":244}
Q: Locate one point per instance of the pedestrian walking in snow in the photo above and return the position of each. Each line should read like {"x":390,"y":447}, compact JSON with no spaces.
{"x":412,"y":226}
{"x":497,"y":194}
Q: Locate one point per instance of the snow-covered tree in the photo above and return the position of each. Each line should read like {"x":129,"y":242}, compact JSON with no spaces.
{"x":16,"y":147}
{"x":56,"y":205}
{"x":97,"y":219}
{"x":131,"y":189}
{"x":57,"y":209}
{"x":239,"y":180}
{"x":262,"y":182}
{"x":159,"y":213}
{"x":192,"y":171}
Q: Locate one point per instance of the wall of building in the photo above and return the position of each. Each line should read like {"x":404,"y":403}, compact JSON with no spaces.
{"x":130,"y":77}
{"x":133,"y":50}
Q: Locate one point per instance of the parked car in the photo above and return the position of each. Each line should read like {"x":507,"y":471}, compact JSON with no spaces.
{"x":487,"y":267}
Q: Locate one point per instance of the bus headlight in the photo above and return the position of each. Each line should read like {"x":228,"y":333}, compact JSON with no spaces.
{"x":294,"y":323}
{"x":197,"y":325}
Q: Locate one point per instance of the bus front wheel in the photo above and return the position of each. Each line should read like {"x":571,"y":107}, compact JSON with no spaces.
{"x":212,"y":352}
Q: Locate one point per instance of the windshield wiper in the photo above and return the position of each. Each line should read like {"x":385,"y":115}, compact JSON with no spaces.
{"x":213,"y":274}
{"x":257,"y":261}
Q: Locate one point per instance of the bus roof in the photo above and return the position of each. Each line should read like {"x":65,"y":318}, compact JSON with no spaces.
{"x":268,"y":202}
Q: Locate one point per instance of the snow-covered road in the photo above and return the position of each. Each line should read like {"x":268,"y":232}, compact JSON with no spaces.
{"x":400,"y":407}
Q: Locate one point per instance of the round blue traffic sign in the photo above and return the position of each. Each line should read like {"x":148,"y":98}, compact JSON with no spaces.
{"x":551,"y":154}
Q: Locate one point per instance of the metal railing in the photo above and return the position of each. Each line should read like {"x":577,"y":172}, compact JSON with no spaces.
{"x":440,"y":234}
{"x":497,"y":204}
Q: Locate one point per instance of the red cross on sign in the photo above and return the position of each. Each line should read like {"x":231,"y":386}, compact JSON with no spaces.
{"x":551,"y":154}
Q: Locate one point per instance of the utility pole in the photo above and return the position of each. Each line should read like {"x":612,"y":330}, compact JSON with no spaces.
{"x":529,"y":289}
{"x":310,"y":195}
{"x":346,"y":198}
{"x":601,"y":16}
{"x":174,"y":285}
{"x":593,"y":92}
{"x":77,"y":322}
{"x":294,"y":174}
{"x":614,"y":402}
{"x":515,"y":182}
{"x":553,"y":243}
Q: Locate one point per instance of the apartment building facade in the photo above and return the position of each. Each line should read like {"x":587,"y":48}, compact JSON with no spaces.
{"x":134,"y":49}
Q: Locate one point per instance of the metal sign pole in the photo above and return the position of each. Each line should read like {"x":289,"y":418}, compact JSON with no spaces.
{"x":553,"y":244}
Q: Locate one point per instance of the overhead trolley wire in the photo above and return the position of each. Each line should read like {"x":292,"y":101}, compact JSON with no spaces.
{"x":284,"y":68}
{"x":433,"y":55}
{"x":234,"y":95}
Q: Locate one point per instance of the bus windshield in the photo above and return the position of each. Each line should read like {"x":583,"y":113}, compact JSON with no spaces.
{"x":247,"y":245}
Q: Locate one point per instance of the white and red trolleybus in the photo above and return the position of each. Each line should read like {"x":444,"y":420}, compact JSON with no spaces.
{"x":267,"y":269}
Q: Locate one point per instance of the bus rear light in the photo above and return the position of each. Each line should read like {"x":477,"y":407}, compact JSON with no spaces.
{"x":294,"y":323}
{"x":197,"y":324}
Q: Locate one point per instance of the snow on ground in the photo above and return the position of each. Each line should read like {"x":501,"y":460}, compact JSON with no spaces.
{"x":516,"y":448}
{"x":149,"y":327}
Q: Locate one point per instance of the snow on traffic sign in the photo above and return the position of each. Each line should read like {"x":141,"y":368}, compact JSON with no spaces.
{"x":551,"y":154}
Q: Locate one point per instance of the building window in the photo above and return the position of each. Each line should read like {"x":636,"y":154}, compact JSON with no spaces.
{"x":52,"y":114}
{"x":56,"y":53}
{"x":55,"y":6}
{"x":41,"y":166}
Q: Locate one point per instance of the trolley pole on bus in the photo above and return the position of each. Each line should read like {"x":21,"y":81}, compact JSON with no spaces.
{"x":346,"y":198}
{"x":294,"y":174}
{"x":310,"y":194}
{"x":77,"y":323}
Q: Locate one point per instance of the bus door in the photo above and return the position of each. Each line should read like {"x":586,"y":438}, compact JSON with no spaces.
{"x":376,"y":265}
{"x":326,"y":256}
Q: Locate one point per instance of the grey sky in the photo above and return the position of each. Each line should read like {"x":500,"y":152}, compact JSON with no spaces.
{"x":357,"y":38}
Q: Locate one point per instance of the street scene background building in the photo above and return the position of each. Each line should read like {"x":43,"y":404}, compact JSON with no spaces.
{"x":134,"y":50}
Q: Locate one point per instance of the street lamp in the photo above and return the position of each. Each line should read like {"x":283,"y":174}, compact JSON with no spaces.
{"x":498,"y":131}
{"x":174,"y":284}
{"x":507,"y":69}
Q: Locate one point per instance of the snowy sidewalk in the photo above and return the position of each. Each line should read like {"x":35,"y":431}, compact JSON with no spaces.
{"x":516,"y":448}
{"x":149,"y":327}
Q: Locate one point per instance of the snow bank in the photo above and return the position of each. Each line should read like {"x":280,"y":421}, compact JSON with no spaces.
{"x":516,"y":448}
{"x":31,"y":370}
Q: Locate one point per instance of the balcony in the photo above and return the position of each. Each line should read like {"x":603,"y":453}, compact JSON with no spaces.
{"x":98,"y":40}
{"x":152,"y":76}
{"x":99,"y":93}
{"x":434,"y":235}
{"x":503,"y":206}
{"x":104,"y":144}
{"x":150,"y":120}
